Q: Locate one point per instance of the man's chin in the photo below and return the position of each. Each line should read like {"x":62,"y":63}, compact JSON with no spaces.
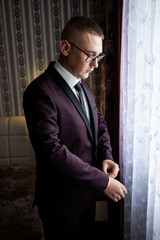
{"x":85,"y":76}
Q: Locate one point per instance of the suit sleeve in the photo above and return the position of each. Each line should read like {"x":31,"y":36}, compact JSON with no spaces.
{"x":41,"y":117}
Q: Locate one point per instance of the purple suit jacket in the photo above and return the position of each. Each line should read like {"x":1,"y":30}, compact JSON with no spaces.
{"x":68,"y":148}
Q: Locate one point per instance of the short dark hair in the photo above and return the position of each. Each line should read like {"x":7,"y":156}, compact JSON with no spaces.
{"x":82,"y":24}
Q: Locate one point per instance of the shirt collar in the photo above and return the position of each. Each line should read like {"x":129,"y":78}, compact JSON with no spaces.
{"x":67,"y":76}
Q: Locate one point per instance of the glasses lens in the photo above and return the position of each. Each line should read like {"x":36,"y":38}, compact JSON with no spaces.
{"x":100,"y":57}
{"x":92,"y":58}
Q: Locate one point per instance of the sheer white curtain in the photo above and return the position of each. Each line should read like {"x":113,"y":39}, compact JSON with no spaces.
{"x":140,"y":118}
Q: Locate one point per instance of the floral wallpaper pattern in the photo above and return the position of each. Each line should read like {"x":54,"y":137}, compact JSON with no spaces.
{"x":29,"y":40}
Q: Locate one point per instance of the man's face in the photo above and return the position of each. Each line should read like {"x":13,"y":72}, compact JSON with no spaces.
{"x":76,"y":60}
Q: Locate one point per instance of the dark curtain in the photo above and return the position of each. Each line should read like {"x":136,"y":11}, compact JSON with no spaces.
{"x":111,"y":19}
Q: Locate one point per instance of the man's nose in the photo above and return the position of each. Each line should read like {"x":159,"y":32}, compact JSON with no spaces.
{"x":95,"y":63}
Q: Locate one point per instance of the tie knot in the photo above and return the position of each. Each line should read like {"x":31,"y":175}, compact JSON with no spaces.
{"x":78,"y":87}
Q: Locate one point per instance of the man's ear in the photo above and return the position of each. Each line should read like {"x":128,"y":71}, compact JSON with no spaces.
{"x":64,"y":47}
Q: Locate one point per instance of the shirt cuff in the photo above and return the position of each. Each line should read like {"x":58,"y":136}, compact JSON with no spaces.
{"x":109,"y":182}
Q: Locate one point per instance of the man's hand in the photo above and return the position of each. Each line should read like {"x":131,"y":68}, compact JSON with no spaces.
{"x":116,"y":190}
{"x":111,"y":168}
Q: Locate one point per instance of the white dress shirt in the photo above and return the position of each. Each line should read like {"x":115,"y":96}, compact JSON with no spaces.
{"x":72,"y":81}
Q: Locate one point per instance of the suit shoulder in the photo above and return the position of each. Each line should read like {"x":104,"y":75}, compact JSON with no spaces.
{"x":42,"y":80}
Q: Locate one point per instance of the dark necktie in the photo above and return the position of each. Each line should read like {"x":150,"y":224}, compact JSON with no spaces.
{"x":78,"y":87}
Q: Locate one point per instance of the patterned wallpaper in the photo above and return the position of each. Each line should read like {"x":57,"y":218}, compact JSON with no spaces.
{"x":29,"y":40}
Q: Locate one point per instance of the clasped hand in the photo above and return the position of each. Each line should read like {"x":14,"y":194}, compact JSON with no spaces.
{"x":115,"y":189}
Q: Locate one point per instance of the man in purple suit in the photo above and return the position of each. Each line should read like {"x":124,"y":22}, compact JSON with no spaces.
{"x":69,"y":136}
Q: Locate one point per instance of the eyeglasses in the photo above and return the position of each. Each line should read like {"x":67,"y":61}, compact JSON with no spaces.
{"x":90,"y":58}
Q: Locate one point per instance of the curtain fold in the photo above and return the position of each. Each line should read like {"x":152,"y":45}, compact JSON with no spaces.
{"x":140,"y":118}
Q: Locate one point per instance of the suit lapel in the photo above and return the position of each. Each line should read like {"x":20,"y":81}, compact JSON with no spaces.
{"x":62,"y":83}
